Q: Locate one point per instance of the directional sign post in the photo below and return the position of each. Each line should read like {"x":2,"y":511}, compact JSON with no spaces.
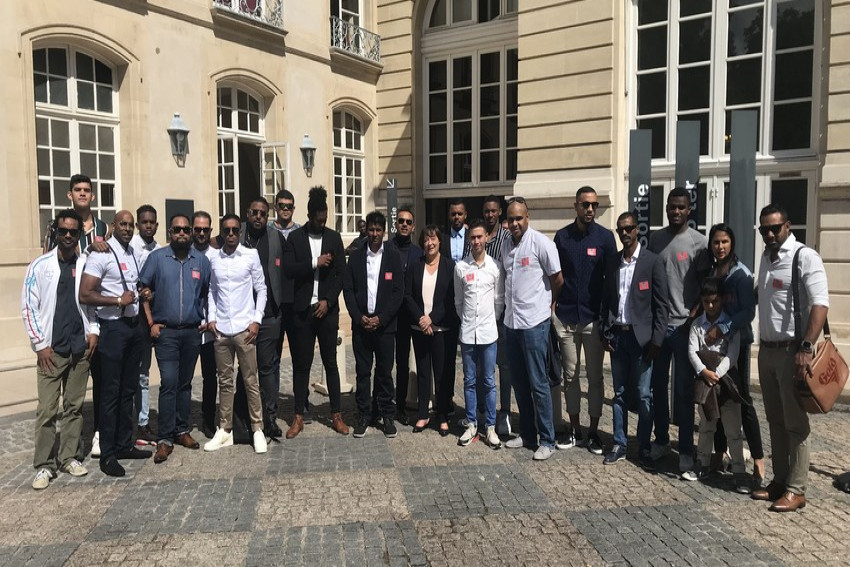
{"x":392,"y":205}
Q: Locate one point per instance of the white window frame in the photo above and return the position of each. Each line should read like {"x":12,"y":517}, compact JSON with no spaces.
{"x":276,"y":174}
{"x":508,"y":8}
{"x":354,"y":18}
{"x":342,"y":216}
{"x":75,"y":116}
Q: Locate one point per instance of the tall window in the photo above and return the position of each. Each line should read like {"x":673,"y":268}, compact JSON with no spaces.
{"x":76,"y":127}
{"x":347,"y":11}
{"x":240,"y":134}
{"x":349,"y":158}
{"x":700,"y":60}
{"x":471,"y":105}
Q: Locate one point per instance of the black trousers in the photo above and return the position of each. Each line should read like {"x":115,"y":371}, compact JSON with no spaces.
{"x":306,"y":329}
{"x":431,"y":352}
{"x":374,"y":346}
{"x":120,"y":346}
{"x":96,"y":371}
{"x":210,"y":385}
{"x":749,"y":417}
{"x":449,"y":368}
{"x":402,"y":365}
{"x":268,"y":367}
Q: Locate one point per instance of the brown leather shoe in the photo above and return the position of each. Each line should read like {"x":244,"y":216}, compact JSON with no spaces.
{"x":789,"y":502}
{"x":338,"y":425}
{"x":296,"y":427}
{"x":771,"y":492}
{"x":185,"y":440}
{"x":162,"y":452}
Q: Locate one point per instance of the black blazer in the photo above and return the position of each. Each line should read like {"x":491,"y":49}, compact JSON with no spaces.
{"x":443,"y":312}
{"x":298,"y":267}
{"x":648,"y":305}
{"x":390,"y":287}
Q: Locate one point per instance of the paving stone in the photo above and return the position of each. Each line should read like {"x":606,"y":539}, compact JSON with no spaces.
{"x":20,"y":477}
{"x":428,"y":448}
{"x":164,"y":549}
{"x":458,"y":491}
{"x":331,"y":454}
{"x":36,"y":555}
{"x":330,"y":498}
{"x":238,"y":461}
{"x":181,"y":507}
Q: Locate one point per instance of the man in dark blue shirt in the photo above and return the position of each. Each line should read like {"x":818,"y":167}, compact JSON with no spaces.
{"x":583,"y":247}
{"x":176,"y":279}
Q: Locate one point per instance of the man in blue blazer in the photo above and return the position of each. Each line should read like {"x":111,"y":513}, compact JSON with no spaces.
{"x":373,"y":289}
{"x":634,"y":322}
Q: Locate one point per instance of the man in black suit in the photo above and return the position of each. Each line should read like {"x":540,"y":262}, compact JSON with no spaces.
{"x":314,"y":259}
{"x":373,"y":289}
{"x":634,"y":322}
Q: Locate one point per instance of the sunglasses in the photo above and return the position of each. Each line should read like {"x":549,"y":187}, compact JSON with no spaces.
{"x":202,"y":229}
{"x":75,"y":232}
{"x":258,"y":213}
{"x":231,"y":230}
{"x":627,"y":228}
{"x":774,"y":228}
{"x":588,"y":204}
{"x":405,"y":221}
{"x":179,"y":229}
{"x":286,"y":206}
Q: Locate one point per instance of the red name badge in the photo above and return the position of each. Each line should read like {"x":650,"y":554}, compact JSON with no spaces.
{"x":123,"y":267}
{"x":196,"y":275}
{"x":777,"y":284}
{"x":591,"y":251}
{"x":682,"y":256}
{"x":98,"y":239}
{"x":73,"y":272}
{"x":277,"y":261}
{"x":643,"y":286}
{"x":388,"y":276}
{"x":525,"y":261}
{"x":470,"y":277}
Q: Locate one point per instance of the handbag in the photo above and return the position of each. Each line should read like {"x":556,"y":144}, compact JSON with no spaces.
{"x":820,"y":389}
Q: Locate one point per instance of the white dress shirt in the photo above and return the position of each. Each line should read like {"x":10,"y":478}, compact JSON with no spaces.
{"x":527,"y":267}
{"x":373,"y":273}
{"x":207,"y":336}
{"x":316,"y":250}
{"x":729,"y":345}
{"x":102,"y":265}
{"x":624,"y":286}
{"x":143,"y":248}
{"x":479,"y":300}
{"x":776,"y":313}
{"x":236,"y":278}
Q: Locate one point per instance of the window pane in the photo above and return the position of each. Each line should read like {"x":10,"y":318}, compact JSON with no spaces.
{"x":489,"y":166}
{"x":59,"y":136}
{"x":651,"y":11}
{"x":60,"y":191}
{"x":488,"y":10}
{"x":652,"y":48}
{"x":42,"y":132}
{"x":693,"y":7}
{"x":728,"y":131}
{"x":793,"y":75}
{"x":490,"y":101}
{"x":792,"y":125}
{"x":104,"y":98}
{"x":736,"y":3}
{"x":745,"y":31}
{"x":438,"y":16}
{"x":107,"y":167}
{"x":462,"y":104}
{"x":652,"y":93}
{"x":438,"y":169}
{"x":58,"y":91}
{"x":88,"y":163}
{"x":512,"y":6}
{"x":226,"y":97}
{"x":513,"y":98}
{"x":461,"y":11}
{"x":102,"y":73}
{"x":795,"y":24}
{"x":84,"y":67}
{"x":437,"y":139}
{"x":88,"y":140}
{"x":490,"y":134}
{"x":57,"y":63}
{"x":462,"y":72}
{"x":695,"y":40}
{"x":744,"y":81}
{"x":242,"y":121}
{"x":511,"y":132}
{"x":43,"y":192}
{"x":254,"y":123}
{"x":61,"y":164}
{"x":437,"y":107}
{"x":85,"y":95}
{"x":694,"y":87}
{"x":241,"y":100}
{"x":225,"y":117}
{"x":42,"y":157}
{"x":40,"y":83}
{"x":659,"y":135}
{"x":437,"y":79}
{"x":39,"y":60}
{"x":462,"y":136}
{"x":107,"y":195}
{"x":791,"y":194}
{"x":462,"y":168}
{"x":702,"y":118}
{"x":511,"y":165}
{"x":512,"y":65}
{"x":490,"y":68}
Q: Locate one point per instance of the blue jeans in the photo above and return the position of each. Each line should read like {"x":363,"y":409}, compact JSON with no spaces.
{"x":527,"y":351}
{"x":479,"y":358}
{"x":632,"y":378}
{"x":675,"y":347}
{"x":177,"y":352}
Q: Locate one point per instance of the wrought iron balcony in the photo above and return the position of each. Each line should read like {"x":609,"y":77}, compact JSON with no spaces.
{"x":355,"y":40}
{"x":269,"y":12}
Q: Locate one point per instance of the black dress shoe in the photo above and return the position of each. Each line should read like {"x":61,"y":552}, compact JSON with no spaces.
{"x":133,"y":453}
{"x":420,"y":429}
{"x":444,"y":432}
{"x":208,"y":430}
{"x":273,"y":431}
{"x":111,"y":467}
{"x":401,"y":417}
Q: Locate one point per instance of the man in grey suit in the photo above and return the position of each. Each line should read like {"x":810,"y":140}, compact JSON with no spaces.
{"x":634,"y":322}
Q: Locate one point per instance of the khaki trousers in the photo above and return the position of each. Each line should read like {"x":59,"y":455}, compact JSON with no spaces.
{"x":226,"y":348}
{"x":69,"y":380}
{"x":574,"y":338}
{"x":730,"y":416}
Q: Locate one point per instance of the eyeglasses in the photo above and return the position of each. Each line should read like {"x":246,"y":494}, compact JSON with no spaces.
{"x":74,"y":232}
{"x":627,"y":228}
{"x":774,"y":228}
{"x":408,"y":222}
{"x":258,"y":213}
{"x":179,"y":229}
{"x":588,"y":204}
{"x":286,"y":206}
{"x":231,"y":230}
{"x":202,"y":229}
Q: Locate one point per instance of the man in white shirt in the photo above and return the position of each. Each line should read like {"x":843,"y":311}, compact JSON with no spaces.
{"x":236,"y":303}
{"x":785,"y":353}
{"x":479,"y":300}
{"x":532,"y":272}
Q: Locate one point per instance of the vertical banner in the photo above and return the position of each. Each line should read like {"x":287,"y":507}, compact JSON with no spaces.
{"x":742,"y":184}
{"x":640,"y":178}
{"x":392,"y":206}
{"x":687,"y":163}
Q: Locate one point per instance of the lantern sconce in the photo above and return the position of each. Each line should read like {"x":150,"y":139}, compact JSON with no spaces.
{"x":178,"y":133}
{"x":308,"y":154}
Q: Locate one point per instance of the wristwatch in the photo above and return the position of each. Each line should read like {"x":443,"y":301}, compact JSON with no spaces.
{"x":806,"y":346}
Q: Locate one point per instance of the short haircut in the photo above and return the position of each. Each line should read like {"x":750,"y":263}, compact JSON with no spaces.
{"x":145,"y":209}
{"x":201,"y":215}
{"x":586,"y":189}
{"x":492,"y":199}
{"x":259,"y":199}
{"x":679,"y":192}
{"x":317,"y":200}
{"x":430,"y":230}
{"x":407,"y":209}
{"x":284,"y":194}
{"x":230,"y":216}
{"x":457,"y":201}
{"x":69,"y":214}
{"x":711,"y":286}
{"x":477,"y":223}
{"x":78,"y":178}
{"x":628,"y":215}
{"x":376,"y":218}
{"x":773,"y":209}
{"x":177,"y":216}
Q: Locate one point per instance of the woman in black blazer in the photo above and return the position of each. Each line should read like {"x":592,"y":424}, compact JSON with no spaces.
{"x":429,"y":299}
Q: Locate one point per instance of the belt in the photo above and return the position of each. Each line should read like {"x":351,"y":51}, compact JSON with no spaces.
{"x":622,"y":328}
{"x":777,"y":344}
{"x":127,"y":320}
{"x":182,"y":327}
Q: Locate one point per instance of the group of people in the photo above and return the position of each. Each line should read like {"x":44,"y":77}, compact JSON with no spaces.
{"x":99,"y":299}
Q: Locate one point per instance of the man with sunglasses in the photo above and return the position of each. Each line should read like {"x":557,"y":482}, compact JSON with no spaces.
{"x":677,"y":244}
{"x":178,"y":279}
{"x":201,"y":232}
{"x":63,"y":334}
{"x":785,"y":352}
{"x":583,"y":248}
{"x":285,"y":210}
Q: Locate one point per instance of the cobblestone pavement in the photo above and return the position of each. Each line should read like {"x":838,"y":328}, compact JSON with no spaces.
{"x":419,"y":499}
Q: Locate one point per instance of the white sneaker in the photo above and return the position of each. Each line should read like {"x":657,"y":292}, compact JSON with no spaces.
{"x":657,"y":451}
{"x":221,"y":439}
{"x":542,"y":453}
{"x":686,"y":463}
{"x":568,"y":441}
{"x":260,"y":445}
{"x":492,"y":438}
{"x":75,"y":468}
{"x":470,"y":435}
{"x":42,"y":479}
{"x":515,"y":443}
{"x":95,"y":445}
